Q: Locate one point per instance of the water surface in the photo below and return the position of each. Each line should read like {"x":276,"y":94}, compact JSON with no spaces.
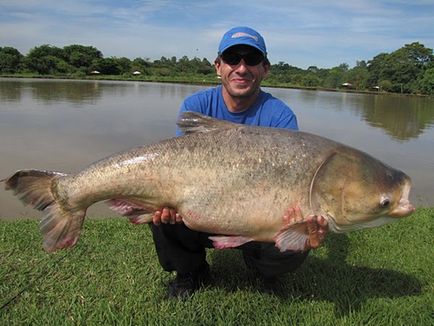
{"x":64,"y":125}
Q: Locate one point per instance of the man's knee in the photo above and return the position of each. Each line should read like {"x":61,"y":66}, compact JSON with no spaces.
{"x":268,"y":261}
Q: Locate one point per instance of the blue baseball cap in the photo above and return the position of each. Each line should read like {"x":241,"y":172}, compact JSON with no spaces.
{"x":242,"y":35}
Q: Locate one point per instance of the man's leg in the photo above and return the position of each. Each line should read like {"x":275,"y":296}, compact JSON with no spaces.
{"x":269,"y":262}
{"x":182,"y":250}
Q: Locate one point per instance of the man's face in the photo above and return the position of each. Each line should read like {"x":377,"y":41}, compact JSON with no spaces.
{"x":242,"y":70}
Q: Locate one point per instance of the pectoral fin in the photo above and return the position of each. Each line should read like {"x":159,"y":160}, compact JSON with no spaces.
{"x":224,"y":242}
{"x":293,"y":238}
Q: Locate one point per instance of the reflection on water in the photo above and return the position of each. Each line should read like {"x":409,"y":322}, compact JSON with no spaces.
{"x":51,"y":91}
{"x":402,"y":117}
{"x":65,"y":125}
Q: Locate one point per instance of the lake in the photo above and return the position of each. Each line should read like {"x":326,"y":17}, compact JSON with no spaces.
{"x":64,"y":125}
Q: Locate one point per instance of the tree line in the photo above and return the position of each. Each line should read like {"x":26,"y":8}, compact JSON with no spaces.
{"x":409,"y":69}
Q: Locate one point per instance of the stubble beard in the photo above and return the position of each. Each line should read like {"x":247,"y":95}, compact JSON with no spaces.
{"x":242,"y":93}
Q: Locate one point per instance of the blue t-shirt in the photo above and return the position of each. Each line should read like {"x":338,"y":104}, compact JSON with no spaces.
{"x":267,"y":111}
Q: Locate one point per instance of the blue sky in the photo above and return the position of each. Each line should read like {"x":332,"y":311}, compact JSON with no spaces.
{"x":301,"y":33}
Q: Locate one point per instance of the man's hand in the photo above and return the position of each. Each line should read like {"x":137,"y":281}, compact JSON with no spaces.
{"x":317,"y":227}
{"x":166,"y":216}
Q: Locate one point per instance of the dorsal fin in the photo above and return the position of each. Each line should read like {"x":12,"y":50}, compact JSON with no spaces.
{"x":192,"y":122}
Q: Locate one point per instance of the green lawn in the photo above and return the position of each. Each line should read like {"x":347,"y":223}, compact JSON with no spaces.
{"x":383,"y":276}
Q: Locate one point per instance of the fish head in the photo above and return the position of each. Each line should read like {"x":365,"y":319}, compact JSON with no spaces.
{"x":354,"y":190}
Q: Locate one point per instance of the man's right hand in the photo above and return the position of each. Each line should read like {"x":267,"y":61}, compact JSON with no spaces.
{"x":166,"y":216}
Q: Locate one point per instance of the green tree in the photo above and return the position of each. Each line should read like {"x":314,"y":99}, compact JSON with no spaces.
{"x":313,"y":69}
{"x":46,"y":50}
{"x":183,"y":64}
{"x":285,"y":73}
{"x":124,"y":65}
{"x":377,"y":68}
{"x":81,"y":56}
{"x":385,"y":85}
{"x":10,"y":60}
{"x":205,"y":67}
{"x":310,"y":80}
{"x":163,"y":62}
{"x":409,"y":64}
{"x":106,"y":66}
{"x":47,"y":59}
{"x":426,"y":83}
{"x":402,"y":67}
{"x":141,"y":65}
{"x":358,"y":76}
{"x":336,"y":76}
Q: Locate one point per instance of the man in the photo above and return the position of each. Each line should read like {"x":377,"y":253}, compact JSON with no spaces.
{"x":241,"y":64}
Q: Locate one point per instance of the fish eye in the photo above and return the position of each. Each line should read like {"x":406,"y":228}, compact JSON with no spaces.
{"x":385,"y":202}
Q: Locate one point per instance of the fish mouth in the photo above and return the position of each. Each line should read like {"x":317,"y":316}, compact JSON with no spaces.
{"x":404,"y":207}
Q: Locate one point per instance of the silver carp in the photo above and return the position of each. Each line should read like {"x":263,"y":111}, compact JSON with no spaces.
{"x":234,"y":181}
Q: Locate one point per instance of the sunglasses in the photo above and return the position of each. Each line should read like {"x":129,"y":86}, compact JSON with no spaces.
{"x":251,"y":58}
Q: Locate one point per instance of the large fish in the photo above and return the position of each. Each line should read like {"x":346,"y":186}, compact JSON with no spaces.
{"x":231,"y":180}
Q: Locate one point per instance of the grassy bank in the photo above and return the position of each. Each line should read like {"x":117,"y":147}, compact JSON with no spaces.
{"x":382,"y":276}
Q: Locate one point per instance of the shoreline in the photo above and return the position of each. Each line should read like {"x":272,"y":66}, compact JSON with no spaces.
{"x":197,"y":81}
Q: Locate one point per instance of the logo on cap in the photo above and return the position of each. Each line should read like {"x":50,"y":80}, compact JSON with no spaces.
{"x":241,"y":34}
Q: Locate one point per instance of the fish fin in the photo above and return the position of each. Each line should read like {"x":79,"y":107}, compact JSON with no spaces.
{"x":226,"y":241}
{"x":33,"y":187}
{"x":136,"y":213}
{"x":60,"y":227}
{"x":293,"y":238}
{"x":140,"y":219}
{"x":193,"y":122}
{"x":126,"y":207}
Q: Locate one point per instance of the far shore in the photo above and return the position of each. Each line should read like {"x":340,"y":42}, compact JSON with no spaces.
{"x":195,"y":80}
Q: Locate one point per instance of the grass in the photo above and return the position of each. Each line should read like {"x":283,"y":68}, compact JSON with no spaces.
{"x":383,"y":276}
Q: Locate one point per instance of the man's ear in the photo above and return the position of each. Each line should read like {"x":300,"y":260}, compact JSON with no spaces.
{"x":217,"y":65}
{"x":266,"y":69}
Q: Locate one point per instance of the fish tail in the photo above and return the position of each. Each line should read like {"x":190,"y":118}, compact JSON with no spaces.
{"x":60,"y":226}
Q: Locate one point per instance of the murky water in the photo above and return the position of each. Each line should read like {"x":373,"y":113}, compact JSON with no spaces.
{"x":65,"y":125}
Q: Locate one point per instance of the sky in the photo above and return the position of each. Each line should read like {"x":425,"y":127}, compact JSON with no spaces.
{"x":302,"y":33}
